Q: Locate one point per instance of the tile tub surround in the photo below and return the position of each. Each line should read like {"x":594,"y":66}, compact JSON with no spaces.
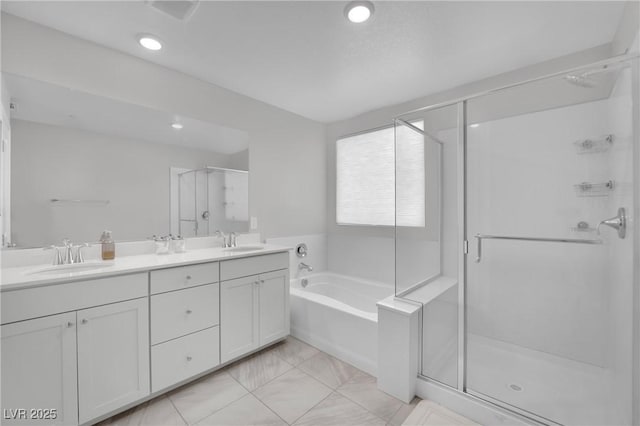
{"x":288,"y":383}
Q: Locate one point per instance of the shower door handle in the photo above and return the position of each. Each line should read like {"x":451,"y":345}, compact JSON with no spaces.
{"x":619,"y":223}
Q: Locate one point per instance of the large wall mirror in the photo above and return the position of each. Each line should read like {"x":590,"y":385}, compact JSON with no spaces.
{"x":82,"y":163}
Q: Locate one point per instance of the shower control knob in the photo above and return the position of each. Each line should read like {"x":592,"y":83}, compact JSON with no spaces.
{"x":189,"y":311}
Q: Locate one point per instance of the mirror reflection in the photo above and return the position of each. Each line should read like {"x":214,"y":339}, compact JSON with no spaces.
{"x":82,"y":163}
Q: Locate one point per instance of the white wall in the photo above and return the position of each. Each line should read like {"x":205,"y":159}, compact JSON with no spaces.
{"x":316,"y":252}
{"x":76,"y":164}
{"x":286,"y":152}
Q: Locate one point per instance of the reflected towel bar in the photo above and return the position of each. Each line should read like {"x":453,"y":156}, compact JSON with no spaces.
{"x":480,"y":237}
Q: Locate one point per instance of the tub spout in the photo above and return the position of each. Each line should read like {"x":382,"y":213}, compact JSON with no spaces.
{"x":303,"y":265}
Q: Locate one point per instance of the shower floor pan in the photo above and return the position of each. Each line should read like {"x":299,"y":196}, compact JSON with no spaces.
{"x":559,"y":389}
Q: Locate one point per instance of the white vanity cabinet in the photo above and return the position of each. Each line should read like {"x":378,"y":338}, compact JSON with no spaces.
{"x":76,"y":348}
{"x":113,"y":356}
{"x":39,"y":371}
{"x":76,"y":352}
{"x":185,"y":332}
{"x":254,"y":309}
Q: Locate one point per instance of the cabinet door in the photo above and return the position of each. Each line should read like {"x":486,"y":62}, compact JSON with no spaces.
{"x":39,"y":371}
{"x":113,"y":356}
{"x":274,"y":306}
{"x":238,"y":317}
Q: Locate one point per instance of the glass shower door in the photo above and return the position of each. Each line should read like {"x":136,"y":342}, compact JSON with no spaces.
{"x":549,"y":308}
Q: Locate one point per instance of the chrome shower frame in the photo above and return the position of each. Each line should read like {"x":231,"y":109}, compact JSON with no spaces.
{"x":463,"y":239}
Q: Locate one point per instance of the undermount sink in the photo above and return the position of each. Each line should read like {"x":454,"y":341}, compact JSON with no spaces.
{"x":241,"y":249}
{"x":71,"y":268}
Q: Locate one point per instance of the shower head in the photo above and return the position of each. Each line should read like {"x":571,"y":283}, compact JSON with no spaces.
{"x":588,"y":79}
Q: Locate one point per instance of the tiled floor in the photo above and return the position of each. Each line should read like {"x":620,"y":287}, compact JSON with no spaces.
{"x":289,"y":383}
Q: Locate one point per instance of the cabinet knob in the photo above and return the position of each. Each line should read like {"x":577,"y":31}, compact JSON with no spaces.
{"x":189,"y":358}
{"x":189,"y":311}
{"x":69,"y":324}
{"x":261,"y":281}
{"x":188,"y":277}
{"x":84,"y":321}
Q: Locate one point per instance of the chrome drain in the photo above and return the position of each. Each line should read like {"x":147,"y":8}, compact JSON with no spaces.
{"x":515,"y":387}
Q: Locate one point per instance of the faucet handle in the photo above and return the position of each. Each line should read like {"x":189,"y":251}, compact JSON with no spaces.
{"x":79,"y":258}
{"x":233,"y":239}
{"x":57,"y":255}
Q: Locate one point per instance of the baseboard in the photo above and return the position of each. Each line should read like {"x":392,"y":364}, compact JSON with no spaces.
{"x":334,"y":350}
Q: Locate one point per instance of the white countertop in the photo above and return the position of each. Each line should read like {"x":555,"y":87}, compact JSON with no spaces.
{"x":28,"y":276}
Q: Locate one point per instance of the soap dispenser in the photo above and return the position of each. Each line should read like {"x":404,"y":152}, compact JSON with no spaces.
{"x":108,"y":246}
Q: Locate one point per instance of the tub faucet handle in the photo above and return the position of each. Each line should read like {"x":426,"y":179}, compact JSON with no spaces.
{"x":303,"y":265}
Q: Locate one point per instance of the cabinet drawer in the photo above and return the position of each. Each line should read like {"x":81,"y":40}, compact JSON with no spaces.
{"x":236,"y":268}
{"x":18,"y":305}
{"x":183,"y":276}
{"x":177,"y":313}
{"x":179,"y":359}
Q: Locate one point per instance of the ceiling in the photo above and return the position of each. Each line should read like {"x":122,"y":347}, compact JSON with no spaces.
{"x":305,"y":57}
{"x":58,"y":106}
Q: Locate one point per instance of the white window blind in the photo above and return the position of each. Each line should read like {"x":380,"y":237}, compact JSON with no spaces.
{"x":366,"y":179}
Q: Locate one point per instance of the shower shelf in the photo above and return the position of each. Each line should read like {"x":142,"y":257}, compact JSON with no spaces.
{"x":583,"y":227}
{"x":589,"y":189}
{"x":591,"y":146}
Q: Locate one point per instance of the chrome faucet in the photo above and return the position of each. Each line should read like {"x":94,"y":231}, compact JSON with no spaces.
{"x":220,"y":234}
{"x":68,"y":251}
{"x":303,"y":265}
{"x":65,"y":253}
{"x":232,"y":241}
{"x":57,"y":254}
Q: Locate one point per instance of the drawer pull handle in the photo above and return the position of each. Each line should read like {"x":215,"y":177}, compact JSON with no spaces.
{"x":84,"y":321}
{"x":189,"y":311}
{"x":189,"y":358}
{"x":69,"y":324}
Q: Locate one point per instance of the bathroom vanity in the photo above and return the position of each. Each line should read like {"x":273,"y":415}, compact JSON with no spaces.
{"x":78,"y":347}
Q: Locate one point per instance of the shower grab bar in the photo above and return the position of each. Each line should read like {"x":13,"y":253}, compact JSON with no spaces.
{"x":480,"y":237}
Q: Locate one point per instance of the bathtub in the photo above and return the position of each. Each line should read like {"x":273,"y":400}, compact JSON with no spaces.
{"x":338,"y":314}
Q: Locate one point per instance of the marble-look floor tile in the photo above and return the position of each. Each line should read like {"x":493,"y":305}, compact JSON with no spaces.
{"x":159,"y":411}
{"x":294,"y":351}
{"x":338,"y":410}
{"x":258,"y":369}
{"x":363,"y":389}
{"x":429,"y":413}
{"x":200,"y":399}
{"x":329,"y":370}
{"x":248,"y":410}
{"x":292,"y":394}
{"x":401,"y":415}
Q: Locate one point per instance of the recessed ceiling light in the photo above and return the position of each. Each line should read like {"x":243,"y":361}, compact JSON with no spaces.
{"x":474,"y":125}
{"x":359,"y":11}
{"x":149,"y":42}
{"x":177,"y":126}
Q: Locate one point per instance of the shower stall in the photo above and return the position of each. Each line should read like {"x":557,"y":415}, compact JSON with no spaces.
{"x":210,"y":199}
{"x":527,"y":263}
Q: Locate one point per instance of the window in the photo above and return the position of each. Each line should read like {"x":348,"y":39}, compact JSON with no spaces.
{"x":366,"y":178}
